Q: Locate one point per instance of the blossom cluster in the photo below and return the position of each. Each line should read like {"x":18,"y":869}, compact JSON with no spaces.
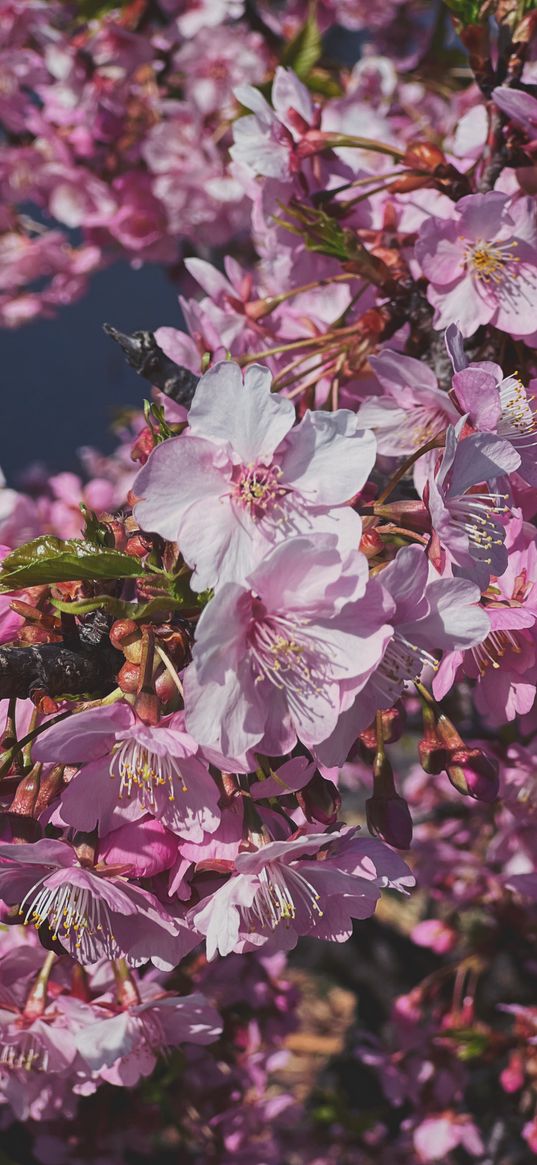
{"x":292,"y":621}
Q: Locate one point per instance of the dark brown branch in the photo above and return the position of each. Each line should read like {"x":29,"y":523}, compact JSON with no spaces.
{"x":148,"y":360}
{"x":56,"y":670}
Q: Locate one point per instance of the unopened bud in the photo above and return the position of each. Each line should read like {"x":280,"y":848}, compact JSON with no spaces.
{"x":424,"y":156}
{"x":319,"y":800}
{"x":143,"y":446}
{"x":139,"y":545}
{"x":127,"y":637}
{"x":389,"y":818}
{"x":474,"y":774}
{"x":371,"y":543}
{"x":26,"y":794}
{"x":128,"y":677}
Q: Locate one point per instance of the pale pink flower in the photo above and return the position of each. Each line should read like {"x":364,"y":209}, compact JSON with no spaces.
{"x":428,"y":616}
{"x":275,"y":658}
{"x":412,"y":409}
{"x":467,"y":523}
{"x":92,"y":914}
{"x":243,"y":479}
{"x":283,"y":888}
{"x":482,"y":264}
{"x":131,"y":769}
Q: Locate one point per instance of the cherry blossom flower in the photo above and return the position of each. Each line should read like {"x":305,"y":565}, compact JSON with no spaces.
{"x":132,"y":769}
{"x":428,"y":617}
{"x":281,"y":888}
{"x":243,"y":479}
{"x":482,"y":264}
{"x":275,"y":658}
{"x":468,"y":523}
{"x":92,"y":914}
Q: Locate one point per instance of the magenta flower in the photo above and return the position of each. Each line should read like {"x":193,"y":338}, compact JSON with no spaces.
{"x":467,"y":523}
{"x":283,"y":888}
{"x":243,"y":479}
{"x":427,"y":617}
{"x":133,"y":769}
{"x":482,"y":264}
{"x":93,"y":914}
{"x":274,"y":659}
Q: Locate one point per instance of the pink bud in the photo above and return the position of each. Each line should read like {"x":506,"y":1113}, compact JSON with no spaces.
{"x":389,"y":818}
{"x":474,"y":774}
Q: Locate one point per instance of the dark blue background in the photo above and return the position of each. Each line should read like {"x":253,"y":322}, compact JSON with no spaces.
{"x":62,"y":380}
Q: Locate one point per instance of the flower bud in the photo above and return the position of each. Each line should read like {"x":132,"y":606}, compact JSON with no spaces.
{"x":474,"y":774}
{"x":123,"y":630}
{"x":26,"y":794}
{"x":389,"y":818}
{"x":371,"y":543}
{"x":387,"y":814}
{"x":139,"y":545}
{"x":143,"y":446}
{"x":128,"y":677}
{"x":424,"y":156}
{"x":319,"y":800}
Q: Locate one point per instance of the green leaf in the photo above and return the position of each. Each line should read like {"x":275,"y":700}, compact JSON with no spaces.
{"x":304,"y":50}
{"x":467,"y":11}
{"x":50,"y":560}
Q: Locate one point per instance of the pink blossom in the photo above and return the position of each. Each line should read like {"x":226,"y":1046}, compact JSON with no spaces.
{"x":156,"y":770}
{"x":124,"y":1046}
{"x":426,"y":617}
{"x":275,"y":658}
{"x":467,"y":523}
{"x":482,"y":264}
{"x":91,"y":913}
{"x":282,"y":888}
{"x":412,"y":409}
{"x":504,"y":662}
{"x":268,"y":141}
{"x":248,"y":479}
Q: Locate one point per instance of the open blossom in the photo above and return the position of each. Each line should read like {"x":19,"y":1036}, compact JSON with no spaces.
{"x":276,"y":657}
{"x":494,"y":403}
{"x":504,"y":662}
{"x":133,"y":769}
{"x":282,"y":890}
{"x":468,"y":523}
{"x":243,"y":479}
{"x":122,"y":1047}
{"x":427,"y":617}
{"x":412,"y":408}
{"x":482,"y":264}
{"x":92,"y":913}
{"x":273,"y":140}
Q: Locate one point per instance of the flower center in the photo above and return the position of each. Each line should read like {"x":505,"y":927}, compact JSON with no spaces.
{"x":138,"y":766}
{"x":518,"y":422}
{"x":25,"y":1055}
{"x":258,"y":489}
{"x":280,"y":890}
{"x":476,"y":515}
{"x":487,"y":260}
{"x":283,"y":655}
{"x":402,"y":661}
{"x":72,"y":913}
{"x":491,"y":651}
